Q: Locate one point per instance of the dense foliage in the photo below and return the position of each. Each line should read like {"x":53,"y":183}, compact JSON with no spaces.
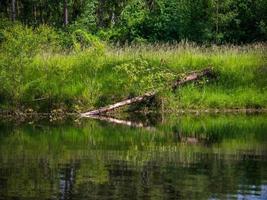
{"x":217,"y":21}
{"x":58,"y":53}
{"x":37,"y":71}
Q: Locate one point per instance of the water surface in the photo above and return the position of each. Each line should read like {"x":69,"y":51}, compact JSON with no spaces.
{"x":187,"y":157}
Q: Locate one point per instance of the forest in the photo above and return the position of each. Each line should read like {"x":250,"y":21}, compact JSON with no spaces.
{"x":78,"y":55}
{"x":202,"y":21}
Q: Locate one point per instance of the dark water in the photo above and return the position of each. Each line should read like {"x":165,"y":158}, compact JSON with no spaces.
{"x":204,"y":157}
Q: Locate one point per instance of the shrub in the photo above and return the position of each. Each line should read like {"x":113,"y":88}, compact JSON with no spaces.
{"x":83,"y":40}
{"x":20,"y":44}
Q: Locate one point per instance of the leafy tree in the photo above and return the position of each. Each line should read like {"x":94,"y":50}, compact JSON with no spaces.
{"x":219,"y":21}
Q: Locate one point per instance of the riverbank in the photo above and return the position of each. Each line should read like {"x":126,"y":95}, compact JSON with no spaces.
{"x":83,"y":81}
{"x":47,"y":79}
{"x":124,"y":118}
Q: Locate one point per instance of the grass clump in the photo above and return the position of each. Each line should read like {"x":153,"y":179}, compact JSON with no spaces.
{"x":37,"y":71}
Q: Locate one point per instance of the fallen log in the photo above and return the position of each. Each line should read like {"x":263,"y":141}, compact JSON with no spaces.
{"x":119,"y":104}
{"x":193,"y":76}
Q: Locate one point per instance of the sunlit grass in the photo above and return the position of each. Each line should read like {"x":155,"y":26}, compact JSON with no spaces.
{"x":87,"y":79}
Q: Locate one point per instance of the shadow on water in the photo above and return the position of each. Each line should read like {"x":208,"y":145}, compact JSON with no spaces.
{"x":170,"y":157}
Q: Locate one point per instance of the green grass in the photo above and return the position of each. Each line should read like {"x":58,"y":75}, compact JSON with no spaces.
{"x":76,"y":80}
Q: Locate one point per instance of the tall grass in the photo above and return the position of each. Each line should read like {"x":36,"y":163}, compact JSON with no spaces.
{"x":47,"y":76}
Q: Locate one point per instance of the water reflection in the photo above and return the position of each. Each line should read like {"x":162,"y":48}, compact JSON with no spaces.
{"x":189,"y":157}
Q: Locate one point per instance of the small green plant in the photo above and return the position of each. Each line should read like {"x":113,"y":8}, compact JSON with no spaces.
{"x":143,"y":76}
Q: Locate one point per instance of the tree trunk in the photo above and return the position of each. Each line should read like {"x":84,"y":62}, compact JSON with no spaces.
{"x":66,"y":15}
{"x":193,"y":76}
{"x":35,"y":14}
{"x":41,"y":15}
{"x":119,"y":104}
{"x":217,"y":21}
{"x":99,"y":14}
{"x":13,"y":10}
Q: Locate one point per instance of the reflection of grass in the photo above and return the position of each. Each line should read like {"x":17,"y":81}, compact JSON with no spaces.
{"x":98,"y":153}
{"x":228,"y":135}
{"x":231,"y":133}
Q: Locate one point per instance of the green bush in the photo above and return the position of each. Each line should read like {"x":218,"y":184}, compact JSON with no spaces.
{"x":83,"y":40}
{"x":19,"y":46}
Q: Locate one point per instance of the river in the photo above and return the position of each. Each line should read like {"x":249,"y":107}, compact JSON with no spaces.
{"x":170,"y":157}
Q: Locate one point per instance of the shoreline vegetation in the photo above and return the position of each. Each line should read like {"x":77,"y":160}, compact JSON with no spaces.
{"x":38,"y":74}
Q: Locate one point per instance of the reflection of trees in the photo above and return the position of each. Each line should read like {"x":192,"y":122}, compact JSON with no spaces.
{"x":67,"y":180}
{"x":93,"y":161}
{"x":198,"y":181}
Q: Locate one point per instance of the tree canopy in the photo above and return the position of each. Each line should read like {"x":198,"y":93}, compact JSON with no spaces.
{"x":216,"y":21}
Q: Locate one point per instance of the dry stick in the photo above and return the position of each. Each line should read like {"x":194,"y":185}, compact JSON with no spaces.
{"x":189,"y":78}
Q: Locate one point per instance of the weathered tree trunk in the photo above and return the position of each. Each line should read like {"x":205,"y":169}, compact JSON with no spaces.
{"x":118,"y":105}
{"x":217,"y":20}
{"x":35,"y":13}
{"x":100,"y":13}
{"x":193,"y":76}
{"x":41,"y":14}
{"x":66,"y":15}
{"x":13,"y":10}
